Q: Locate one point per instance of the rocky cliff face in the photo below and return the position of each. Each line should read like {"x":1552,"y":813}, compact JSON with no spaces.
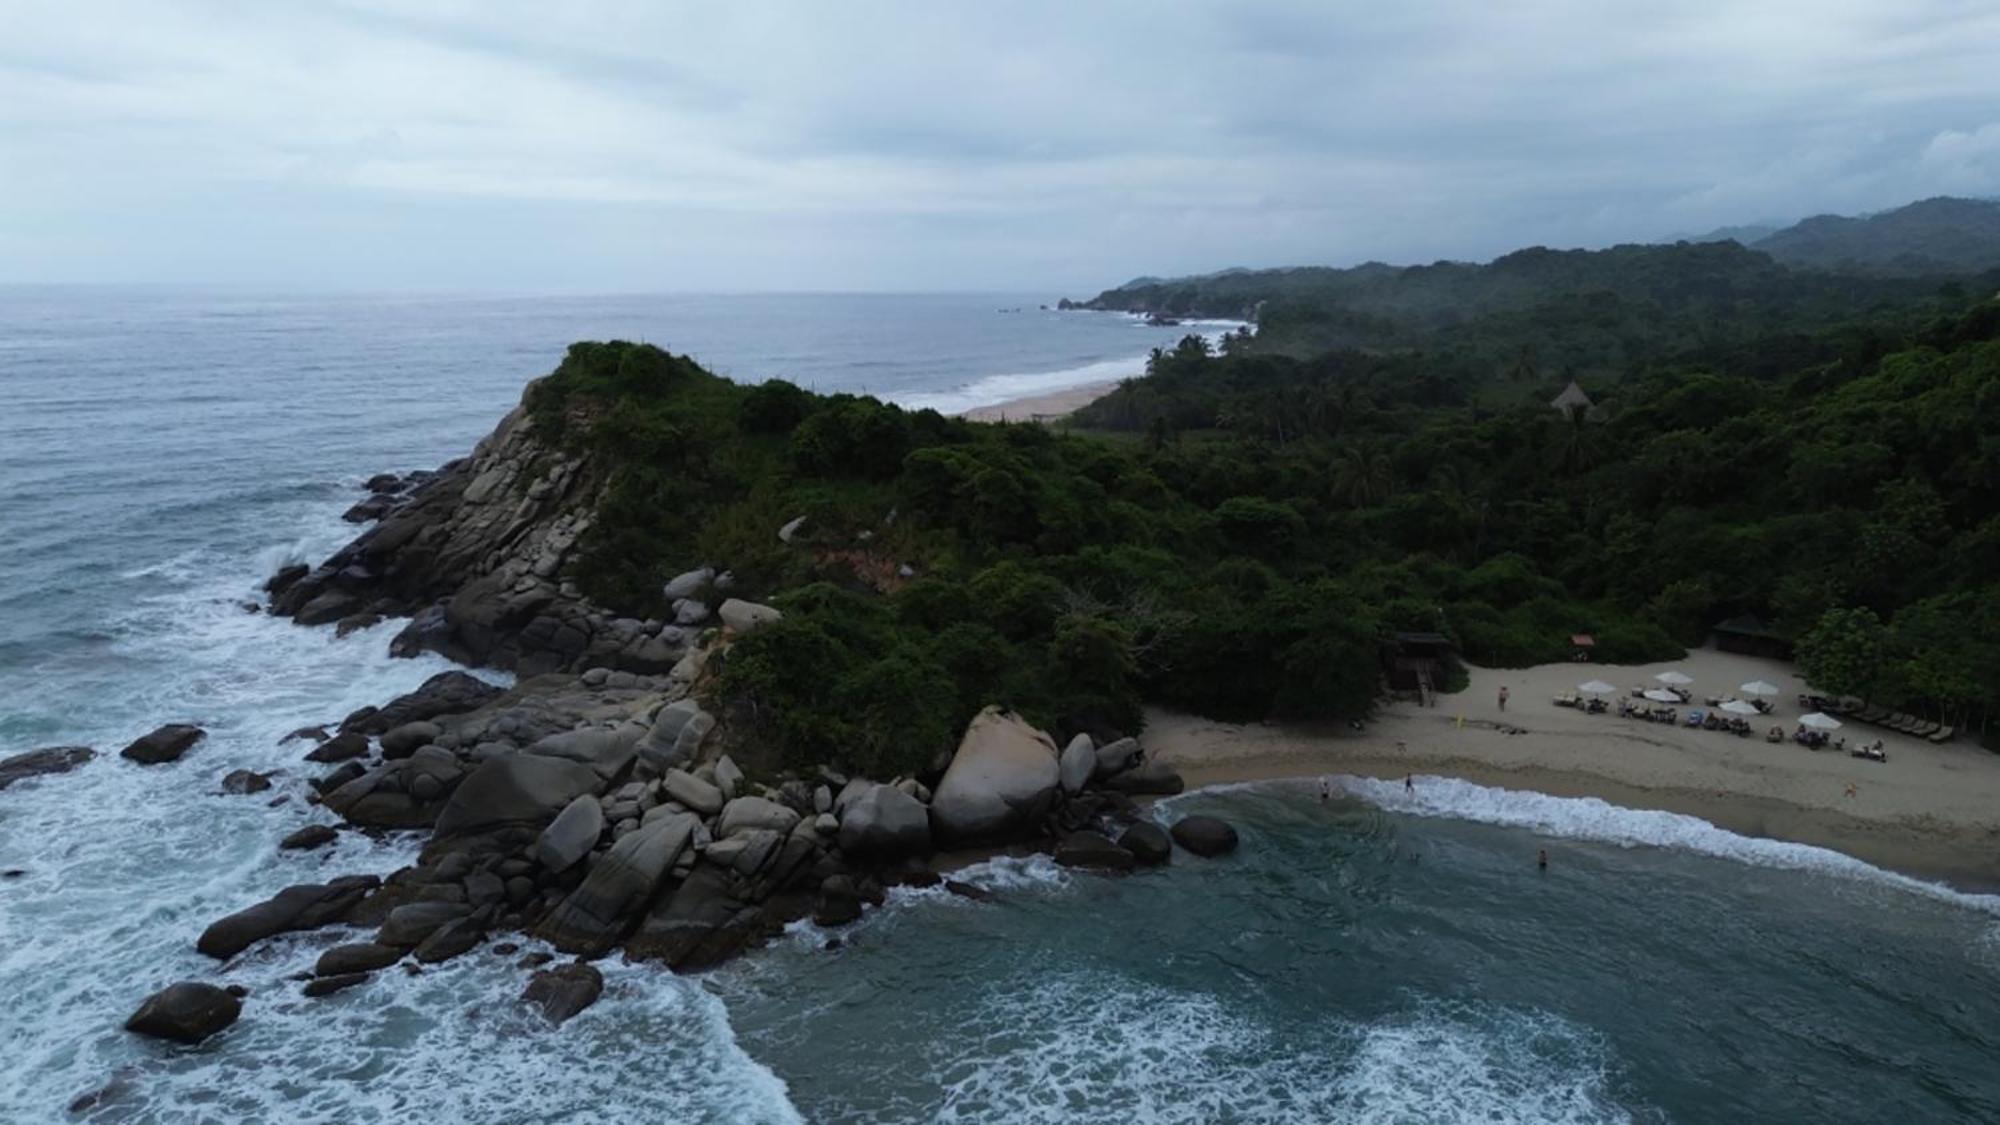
{"x":475,"y":555}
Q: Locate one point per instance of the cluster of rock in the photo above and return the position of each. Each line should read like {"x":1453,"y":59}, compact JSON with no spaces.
{"x":594,"y":805}
{"x":166,"y":744}
{"x":386,"y":492}
{"x":596,"y":812}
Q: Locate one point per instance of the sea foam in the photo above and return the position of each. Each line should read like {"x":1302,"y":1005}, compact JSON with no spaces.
{"x":1083,"y":1045}
{"x":992,"y":390}
{"x":1598,"y":821}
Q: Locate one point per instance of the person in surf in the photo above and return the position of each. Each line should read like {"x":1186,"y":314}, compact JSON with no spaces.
{"x":1542,"y":859}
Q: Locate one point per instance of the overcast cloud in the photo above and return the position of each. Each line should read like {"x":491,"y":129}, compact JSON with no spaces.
{"x":624,"y":145}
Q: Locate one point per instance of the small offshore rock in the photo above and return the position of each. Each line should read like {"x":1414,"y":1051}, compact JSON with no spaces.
{"x":311,"y":836}
{"x":164,"y":745}
{"x":188,"y":1012}
{"x":1094,"y":851}
{"x":563,"y":991}
{"x":327,"y":986}
{"x":39,"y":763}
{"x":1148,"y":843}
{"x":963,"y":889}
{"x":244,"y":782}
{"x":1204,"y":835}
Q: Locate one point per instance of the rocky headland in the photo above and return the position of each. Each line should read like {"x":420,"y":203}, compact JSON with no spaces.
{"x":610,"y":802}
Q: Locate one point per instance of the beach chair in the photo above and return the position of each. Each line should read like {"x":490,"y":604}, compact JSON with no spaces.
{"x":1926,"y":729}
{"x":1942,"y":735}
{"x":1872,"y":715}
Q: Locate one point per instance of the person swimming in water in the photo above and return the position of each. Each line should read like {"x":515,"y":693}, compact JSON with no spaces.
{"x":1542,"y":859}
{"x":1325,"y":790}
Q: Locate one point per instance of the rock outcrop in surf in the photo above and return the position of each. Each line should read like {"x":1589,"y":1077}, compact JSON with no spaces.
{"x":474,"y":555}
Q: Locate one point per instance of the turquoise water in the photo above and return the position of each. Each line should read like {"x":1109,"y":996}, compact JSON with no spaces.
{"x":1384,"y":958}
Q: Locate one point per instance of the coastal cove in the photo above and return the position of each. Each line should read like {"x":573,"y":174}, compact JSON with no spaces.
{"x":1374,"y":955}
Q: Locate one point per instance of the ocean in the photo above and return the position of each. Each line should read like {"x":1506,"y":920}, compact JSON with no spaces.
{"x":1381,"y":957}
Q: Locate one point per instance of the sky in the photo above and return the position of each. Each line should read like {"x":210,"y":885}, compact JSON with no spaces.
{"x":623,"y":145}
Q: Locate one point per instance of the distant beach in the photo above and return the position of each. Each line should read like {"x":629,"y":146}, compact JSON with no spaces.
{"x":1932,"y":811}
{"x":1054,"y":404}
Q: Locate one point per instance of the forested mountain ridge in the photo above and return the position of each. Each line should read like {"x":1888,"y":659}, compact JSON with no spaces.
{"x":1598,"y":310}
{"x":1928,"y":238}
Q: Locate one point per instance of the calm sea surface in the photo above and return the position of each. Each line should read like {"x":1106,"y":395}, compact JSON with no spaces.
{"x":1379,"y":958}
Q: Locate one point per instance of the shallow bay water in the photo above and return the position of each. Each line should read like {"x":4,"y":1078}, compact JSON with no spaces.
{"x":1384,"y":957}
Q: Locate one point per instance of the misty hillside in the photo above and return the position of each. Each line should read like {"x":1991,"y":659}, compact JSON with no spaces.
{"x":1929,"y":237}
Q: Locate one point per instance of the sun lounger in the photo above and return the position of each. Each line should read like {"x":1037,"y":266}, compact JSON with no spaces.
{"x":1942,"y":735}
{"x":1872,"y":715}
{"x":1925,"y":730}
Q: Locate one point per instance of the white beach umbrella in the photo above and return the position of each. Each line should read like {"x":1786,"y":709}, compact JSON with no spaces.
{"x":1758,"y":687}
{"x":1662,"y":695}
{"x":1674,"y":678}
{"x":1820,"y":721}
{"x":1595,"y":687}
{"x":1738,"y":707}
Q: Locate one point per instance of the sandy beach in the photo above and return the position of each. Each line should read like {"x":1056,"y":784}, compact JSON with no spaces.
{"x":1929,"y":810}
{"x":1055,"y":404}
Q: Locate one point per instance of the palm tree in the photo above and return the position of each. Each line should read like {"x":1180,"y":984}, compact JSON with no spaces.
{"x":1362,"y":476}
{"x":1523,"y":369}
{"x":1575,"y":442}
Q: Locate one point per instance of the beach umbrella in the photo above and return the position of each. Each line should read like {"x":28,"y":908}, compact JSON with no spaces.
{"x":1662,"y":695}
{"x":1738,"y":707}
{"x":1820,"y":721}
{"x":1758,"y":687}
{"x":1595,"y":687}
{"x":1674,"y":678}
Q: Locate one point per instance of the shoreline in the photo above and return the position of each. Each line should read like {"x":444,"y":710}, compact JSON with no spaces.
{"x":1931,"y":812}
{"x":1898,"y":849}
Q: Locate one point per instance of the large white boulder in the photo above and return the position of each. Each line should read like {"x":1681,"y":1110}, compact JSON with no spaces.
{"x":1001,"y":782}
{"x":688,"y":584}
{"x":1079,"y":761}
{"x":740,"y":617}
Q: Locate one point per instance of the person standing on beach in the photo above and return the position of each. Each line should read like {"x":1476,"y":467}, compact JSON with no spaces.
{"x":1503,"y":697}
